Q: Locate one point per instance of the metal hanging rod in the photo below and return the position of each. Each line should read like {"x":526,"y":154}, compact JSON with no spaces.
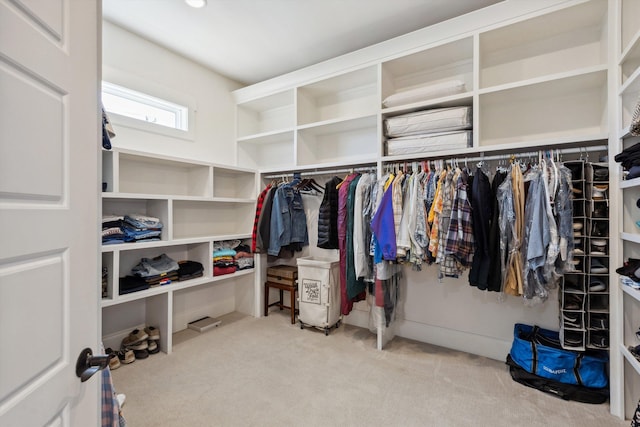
{"x":322,"y":172}
{"x":506,"y":155}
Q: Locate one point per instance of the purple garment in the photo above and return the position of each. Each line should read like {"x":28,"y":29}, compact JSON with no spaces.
{"x":343,"y":192}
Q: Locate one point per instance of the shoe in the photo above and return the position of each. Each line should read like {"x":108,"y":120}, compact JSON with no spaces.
{"x":629,"y":268}
{"x":599,"y":323}
{"x":600,"y":212}
{"x":600,"y":229}
{"x":597,"y":267}
{"x":142,"y":345}
{"x":577,"y":226}
{"x":597,"y":285}
{"x":571,"y":285}
{"x":601,"y":174}
{"x":114,"y":362}
{"x":573,"y":302}
{"x":153,"y":332}
{"x":135,"y":338}
{"x":153,"y":347}
{"x":121,"y":397}
{"x":573,"y":341}
{"x":599,"y":341}
{"x":599,"y":191}
{"x":598,"y":247}
{"x":141,"y":354}
{"x":576,"y":191}
{"x":126,"y":356}
{"x":578,"y":251}
{"x":571,"y":319}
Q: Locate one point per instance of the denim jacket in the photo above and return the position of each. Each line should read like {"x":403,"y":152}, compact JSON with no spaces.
{"x":288,"y":219}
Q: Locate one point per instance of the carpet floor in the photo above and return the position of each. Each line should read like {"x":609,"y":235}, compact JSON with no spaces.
{"x":267,"y":372}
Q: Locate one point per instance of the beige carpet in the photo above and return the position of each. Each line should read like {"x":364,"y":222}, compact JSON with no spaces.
{"x":267,"y":372}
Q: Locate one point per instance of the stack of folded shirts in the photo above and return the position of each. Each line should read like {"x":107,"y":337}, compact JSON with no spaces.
{"x":161,"y":270}
{"x":138,"y":227}
{"x":224,"y":262}
{"x":112,"y":229}
{"x":189,"y":270}
{"x":244,"y":257}
{"x":429,"y":130}
{"x":129,"y":284}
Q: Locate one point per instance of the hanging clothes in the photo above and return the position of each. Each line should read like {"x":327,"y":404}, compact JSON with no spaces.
{"x":343,"y":192}
{"x":511,"y":203}
{"x":259,"y":206}
{"x":328,"y":216}
{"x":355,"y":286}
{"x":494,"y":277}
{"x":288,"y":220}
{"x":482,"y":215}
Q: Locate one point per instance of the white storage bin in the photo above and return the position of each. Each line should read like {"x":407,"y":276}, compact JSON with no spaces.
{"x":319,"y":292}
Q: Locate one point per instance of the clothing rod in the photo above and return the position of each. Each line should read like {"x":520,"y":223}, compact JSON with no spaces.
{"x":322,"y":172}
{"x":506,"y":155}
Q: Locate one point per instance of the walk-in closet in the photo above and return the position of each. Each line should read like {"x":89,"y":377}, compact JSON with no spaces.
{"x":437,"y":226}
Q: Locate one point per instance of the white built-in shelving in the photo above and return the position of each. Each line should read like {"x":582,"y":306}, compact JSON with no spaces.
{"x":198,"y":204}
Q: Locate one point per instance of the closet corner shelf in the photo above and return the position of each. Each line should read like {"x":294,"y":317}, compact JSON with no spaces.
{"x":175,"y":286}
{"x":145,"y":196}
{"x":214,"y":238}
{"x":630,"y":358}
{"x":341,"y":124}
{"x":265,"y":137}
{"x":551,"y":79}
{"x":134,"y":246}
{"x":629,"y":183}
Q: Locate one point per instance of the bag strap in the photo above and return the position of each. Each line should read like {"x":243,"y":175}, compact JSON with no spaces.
{"x":576,"y":368}
{"x":534,"y":354}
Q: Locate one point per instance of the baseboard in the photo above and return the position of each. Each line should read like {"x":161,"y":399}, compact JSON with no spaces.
{"x":480,"y":345}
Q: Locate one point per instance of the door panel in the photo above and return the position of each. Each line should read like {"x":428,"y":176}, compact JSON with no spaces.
{"x":49,"y":198}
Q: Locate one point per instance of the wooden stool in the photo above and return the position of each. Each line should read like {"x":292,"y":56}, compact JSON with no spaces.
{"x":280,"y":303}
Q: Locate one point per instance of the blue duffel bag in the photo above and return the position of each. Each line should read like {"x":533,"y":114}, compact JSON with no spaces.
{"x":538,"y":351}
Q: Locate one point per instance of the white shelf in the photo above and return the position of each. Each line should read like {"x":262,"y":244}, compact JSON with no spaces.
{"x":630,"y":358}
{"x":270,"y":114}
{"x":568,"y":39}
{"x":198,"y":204}
{"x":635,"y":182}
{"x":266,"y":138}
{"x":458,"y":100}
{"x":634,"y":293}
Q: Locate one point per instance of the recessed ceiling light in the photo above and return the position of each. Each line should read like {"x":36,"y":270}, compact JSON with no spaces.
{"x":196,"y":3}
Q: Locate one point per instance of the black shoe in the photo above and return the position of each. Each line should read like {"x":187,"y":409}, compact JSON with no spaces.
{"x":141,"y":354}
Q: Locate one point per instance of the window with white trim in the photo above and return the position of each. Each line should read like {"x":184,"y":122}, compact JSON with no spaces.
{"x":125,"y":102}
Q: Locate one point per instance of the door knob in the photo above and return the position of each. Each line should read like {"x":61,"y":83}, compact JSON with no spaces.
{"x":88,"y":364}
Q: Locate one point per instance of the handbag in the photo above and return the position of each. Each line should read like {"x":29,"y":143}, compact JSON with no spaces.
{"x":538,"y":351}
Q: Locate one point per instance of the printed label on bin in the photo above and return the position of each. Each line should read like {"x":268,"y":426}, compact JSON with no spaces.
{"x":311,"y":291}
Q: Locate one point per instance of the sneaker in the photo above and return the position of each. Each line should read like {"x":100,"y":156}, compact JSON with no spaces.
{"x":153,"y":332}
{"x":578,"y":251}
{"x":601,"y":174}
{"x":141,"y":354}
{"x":126,"y":356}
{"x":597,"y":267}
{"x":600,"y":229}
{"x":121,"y":397}
{"x":577,"y":226}
{"x":599,"y":191}
{"x":599,"y":323}
{"x":135,"y":338}
{"x":571,"y":320}
{"x":114,"y":362}
{"x":597,"y":285}
{"x":153,"y":347}
{"x":142,"y":345}
{"x":599,"y":341}
{"x":573,"y":302}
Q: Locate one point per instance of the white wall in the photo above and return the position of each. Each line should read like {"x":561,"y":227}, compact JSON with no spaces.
{"x":136,"y":63}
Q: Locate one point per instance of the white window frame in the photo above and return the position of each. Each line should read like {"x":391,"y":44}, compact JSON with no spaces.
{"x":184,"y":126}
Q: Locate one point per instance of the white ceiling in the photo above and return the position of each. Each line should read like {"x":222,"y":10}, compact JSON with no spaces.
{"x":253,"y":40}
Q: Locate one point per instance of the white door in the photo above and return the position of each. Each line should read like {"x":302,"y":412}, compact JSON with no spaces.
{"x":49,"y":136}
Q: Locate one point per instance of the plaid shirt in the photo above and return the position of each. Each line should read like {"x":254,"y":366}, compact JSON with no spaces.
{"x":459,"y":242}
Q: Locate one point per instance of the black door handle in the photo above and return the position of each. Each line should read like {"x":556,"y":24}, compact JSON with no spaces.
{"x":88,"y":364}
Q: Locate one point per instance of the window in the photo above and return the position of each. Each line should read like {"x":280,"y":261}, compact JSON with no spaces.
{"x":128,"y":103}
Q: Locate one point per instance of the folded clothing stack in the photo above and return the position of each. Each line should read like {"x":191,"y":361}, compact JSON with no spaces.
{"x":137,"y":227}
{"x":224,"y":261}
{"x":150,"y":272}
{"x":112,"y":229}
{"x":130,"y":228}
{"x":244,"y":257}
{"x":189,"y":270}
{"x":429,"y":130}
